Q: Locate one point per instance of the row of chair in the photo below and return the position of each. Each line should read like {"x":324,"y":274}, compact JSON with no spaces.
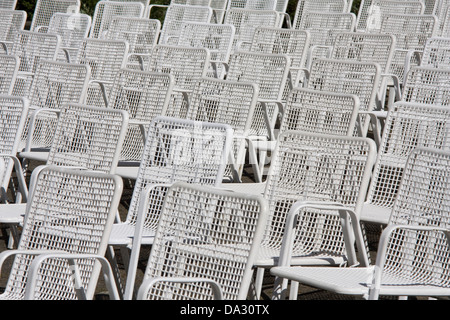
{"x":326,"y":178}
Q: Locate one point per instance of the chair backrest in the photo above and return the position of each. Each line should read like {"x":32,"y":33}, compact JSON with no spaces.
{"x":408,"y":126}
{"x":417,"y":256}
{"x":9,"y":67}
{"x":436,"y":53}
{"x":141,"y":33}
{"x":364,"y":47}
{"x":72,"y":28}
{"x":45,"y":9}
{"x":176,"y":14}
{"x":8,"y":4}
{"x":311,"y":111}
{"x":207,"y":241}
{"x":105,"y":11}
{"x":180,"y":150}
{"x":319,"y":168}
{"x":105,"y":58}
{"x":71,"y":211}
{"x":143,"y":95}
{"x":427,"y":85}
{"x":13,"y":113}
{"x":229,"y":102}
{"x":217,"y":38}
{"x":253,"y":4}
{"x":370,"y":14}
{"x":54,"y":85}
{"x":346,"y":76}
{"x":12,"y":21}
{"x":245,"y":21}
{"x":88,"y":137}
{"x":305,"y":6}
{"x":186,"y":65}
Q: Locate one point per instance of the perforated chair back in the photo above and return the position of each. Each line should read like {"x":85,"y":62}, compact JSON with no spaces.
{"x":12,"y":21}
{"x":8,"y":4}
{"x":105,"y":58}
{"x":45,"y":9}
{"x":9,"y":67}
{"x":176,"y":14}
{"x":228,"y":102}
{"x":143,"y":95}
{"x":72,"y":28}
{"x":427,"y":85}
{"x":369,"y":18}
{"x":31,"y":48}
{"x":13,"y":113}
{"x":88,"y":137}
{"x":317,"y":168}
{"x":408,"y":126}
{"x":436,"y":53}
{"x":364,"y":47}
{"x":141,"y":33}
{"x":305,"y":6}
{"x":208,"y":243}
{"x":105,"y":11}
{"x":253,"y":4}
{"x":69,"y":211}
{"x":217,"y":38}
{"x":186,"y":65}
{"x":54,"y":85}
{"x":346,"y":76}
{"x":245,"y":21}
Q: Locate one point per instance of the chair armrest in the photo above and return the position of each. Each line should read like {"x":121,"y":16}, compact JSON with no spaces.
{"x":37,"y":262}
{"x":20,"y":177}
{"x":33,"y":114}
{"x":102,"y":85}
{"x":269,"y":123}
{"x":150,"y":282}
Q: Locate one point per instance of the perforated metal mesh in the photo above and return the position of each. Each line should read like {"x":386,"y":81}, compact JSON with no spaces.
{"x":322,"y":26}
{"x":141,"y":33}
{"x":427,"y":85}
{"x":31,"y":48}
{"x":217,"y":38}
{"x":177,"y":14}
{"x":408,"y":126}
{"x":12,"y":21}
{"x":421,"y":258}
{"x":411,"y":33}
{"x":353,"y":77}
{"x":72,"y":29}
{"x":186,"y":65}
{"x":306,"y":6}
{"x":315,"y":167}
{"x":311,"y":111}
{"x":13,"y":112}
{"x":225,"y":101}
{"x":8,"y":4}
{"x":253,"y":4}
{"x":180,"y":150}
{"x":436,"y":53}
{"x":9,"y":66}
{"x":71,"y":212}
{"x":88,"y":137}
{"x":55,"y":84}
{"x":105,"y":58}
{"x":245,"y":22}
{"x":144,"y":95}
{"x":213,"y":235}
{"x":45,"y":9}
{"x":371,"y":11}
{"x":364,"y":47}
{"x":294,"y":43}
{"x":105,"y":11}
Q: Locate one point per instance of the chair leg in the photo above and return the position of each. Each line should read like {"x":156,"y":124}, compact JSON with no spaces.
{"x":110,"y":256}
{"x":259,"y":281}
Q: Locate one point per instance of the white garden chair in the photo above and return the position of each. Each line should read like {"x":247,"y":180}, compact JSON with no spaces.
{"x":44,"y":10}
{"x":12,"y":21}
{"x":9,"y":68}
